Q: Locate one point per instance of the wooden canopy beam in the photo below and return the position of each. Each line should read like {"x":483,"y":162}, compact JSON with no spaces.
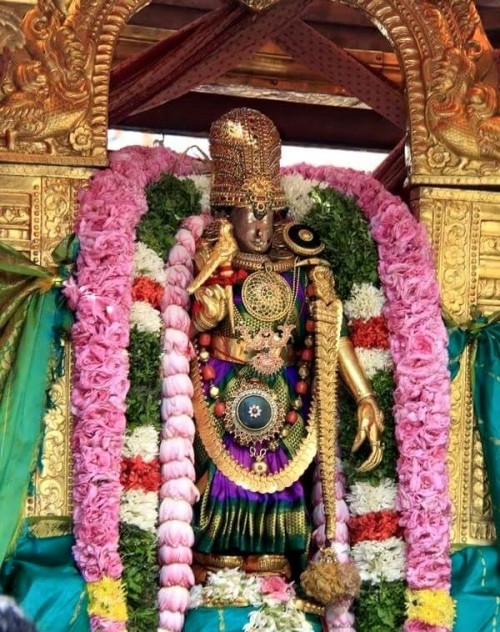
{"x":192,"y":62}
{"x":392,"y":171}
{"x":298,"y":123}
{"x":317,"y":52}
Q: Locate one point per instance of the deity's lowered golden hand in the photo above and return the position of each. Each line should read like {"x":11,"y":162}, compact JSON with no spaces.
{"x":369,"y":416}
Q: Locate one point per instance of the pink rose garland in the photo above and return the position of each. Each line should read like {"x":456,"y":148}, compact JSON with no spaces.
{"x":101,"y":297}
{"x":178,"y":492}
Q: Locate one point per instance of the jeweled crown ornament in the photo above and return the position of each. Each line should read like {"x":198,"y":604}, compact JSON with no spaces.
{"x":245,"y":149}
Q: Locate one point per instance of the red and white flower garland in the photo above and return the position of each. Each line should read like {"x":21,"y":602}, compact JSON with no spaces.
{"x":376,"y":537}
{"x":418,"y":343}
{"x":140,"y":471}
{"x":101,"y":295}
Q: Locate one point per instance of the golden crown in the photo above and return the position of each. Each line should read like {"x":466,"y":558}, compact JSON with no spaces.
{"x":245,"y":149}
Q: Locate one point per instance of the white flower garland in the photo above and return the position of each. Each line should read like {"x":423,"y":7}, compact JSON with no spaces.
{"x":139,"y":508}
{"x":365,"y":301}
{"x":147,"y":263}
{"x":145,"y":317}
{"x":364,"y":498}
{"x":373,"y":360}
{"x":297,"y":195}
{"x":143,"y":442}
{"x":380,"y":560}
{"x":234,"y":586}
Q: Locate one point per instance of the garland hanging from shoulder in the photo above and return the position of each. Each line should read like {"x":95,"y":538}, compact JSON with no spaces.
{"x":101,"y":295}
{"x":422,"y":396}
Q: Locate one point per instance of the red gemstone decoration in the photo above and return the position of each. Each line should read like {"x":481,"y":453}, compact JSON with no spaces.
{"x":302,"y":387}
{"x":208,"y":372}
{"x":204,"y":339}
{"x":220,"y":409}
{"x":307,"y":355}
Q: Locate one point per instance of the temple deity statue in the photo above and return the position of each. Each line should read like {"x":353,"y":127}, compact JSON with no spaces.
{"x":270,"y":340}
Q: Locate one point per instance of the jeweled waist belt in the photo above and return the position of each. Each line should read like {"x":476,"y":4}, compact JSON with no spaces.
{"x":234,"y":350}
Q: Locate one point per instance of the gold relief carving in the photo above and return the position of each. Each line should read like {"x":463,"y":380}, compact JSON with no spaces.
{"x":54,"y":86}
{"x":52,"y":483}
{"x":59,"y":209}
{"x":464,"y":227}
{"x":16,"y":201}
{"x":42,"y":203}
{"x":488,"y":293}
{"x":38,"y":210}
{"x":54,"y":80}
{"x":452,"y":86}
{"x":29,"y":171}
{"x":490,"y":245}
{"x":15,"y":217}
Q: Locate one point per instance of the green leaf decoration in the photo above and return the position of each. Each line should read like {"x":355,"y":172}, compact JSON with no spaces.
{"x":170,"y":200}
{"x":145,"y":353}
{"x":138,"y":553}
{"x":349,"y":246}
{"x":380,"y":607}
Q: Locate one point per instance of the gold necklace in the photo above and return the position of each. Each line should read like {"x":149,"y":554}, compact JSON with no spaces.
{"x":252,"y":261}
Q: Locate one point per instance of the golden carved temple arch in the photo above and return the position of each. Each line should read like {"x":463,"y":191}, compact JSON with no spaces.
{"x":54,"y":92}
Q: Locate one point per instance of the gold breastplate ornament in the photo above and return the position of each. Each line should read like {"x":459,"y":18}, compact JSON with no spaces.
{"x":267,"y":296}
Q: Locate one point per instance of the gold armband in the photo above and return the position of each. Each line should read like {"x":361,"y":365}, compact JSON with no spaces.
{"x":352,"y":373}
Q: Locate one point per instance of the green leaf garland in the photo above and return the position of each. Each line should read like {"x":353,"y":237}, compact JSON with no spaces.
{"x":352,"y":253}
{"x":349,"y":246}
{"x":380,"y":607}
{"x":140,"y":573}
{"x":170,"y":200}
{"x":145,"y":352}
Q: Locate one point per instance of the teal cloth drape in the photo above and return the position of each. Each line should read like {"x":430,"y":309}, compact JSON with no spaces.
{"x":476,"y":569}
{"x":33,"y":319}
{"x":226,"y":620}
{"x":476,"y":588}
{"x":43,"y":579}
{"x":484,"y":334}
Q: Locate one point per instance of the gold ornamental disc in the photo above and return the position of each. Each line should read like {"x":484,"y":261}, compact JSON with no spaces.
{"x":266,"y":296}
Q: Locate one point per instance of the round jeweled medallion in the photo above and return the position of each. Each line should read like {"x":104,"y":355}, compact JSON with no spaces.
{"x":254,"y":412}
{"x":266,"y":296}
{"x":254,"y":415}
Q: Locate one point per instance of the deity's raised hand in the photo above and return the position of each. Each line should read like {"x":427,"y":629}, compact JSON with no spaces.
{"x":222,"y":254}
